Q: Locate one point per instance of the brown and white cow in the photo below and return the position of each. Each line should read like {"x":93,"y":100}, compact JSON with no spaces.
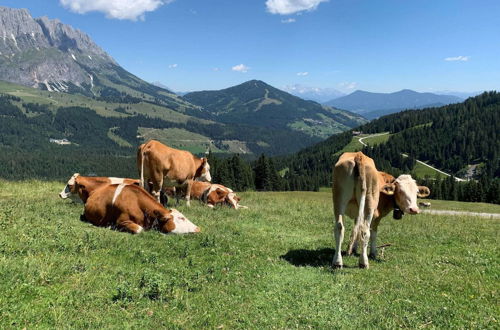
{"x":365,"y":194}
{"x":79,"y":187}
{"x":132,"y":209}
{"x":169,"y":167}
{"x":211,"y":194}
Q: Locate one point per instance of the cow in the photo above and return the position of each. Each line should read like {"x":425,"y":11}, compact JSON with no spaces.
{"x":169,"y":167}
{"x":211,"y":194}
{"x":79,"y":187}
{"x":132,"y":209}
{"x":364,"y":194}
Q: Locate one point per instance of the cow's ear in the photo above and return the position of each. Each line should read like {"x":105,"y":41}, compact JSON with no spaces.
{"x":388,"y":189}
{"x":423,"y":191}
{"x":203,"y":160}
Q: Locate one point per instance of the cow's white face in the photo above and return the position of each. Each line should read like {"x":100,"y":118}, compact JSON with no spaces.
{"x":182,"y":224}
{"x":69,"y":190}
{"x":205,"y":173}
{"x":406,"y":192}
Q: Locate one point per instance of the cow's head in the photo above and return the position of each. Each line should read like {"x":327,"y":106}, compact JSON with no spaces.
{"x":177,"y":223}
{"x":405,"y":192}
{"x":203,"y":172}
{"x":71,"y":190}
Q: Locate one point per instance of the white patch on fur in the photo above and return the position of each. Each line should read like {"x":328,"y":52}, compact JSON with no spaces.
{"x":66,"y":192}
{"x":182,"y":224}
{"x":116,"y":180}
{"x":118,"y":191}
{"x":140,"y":230}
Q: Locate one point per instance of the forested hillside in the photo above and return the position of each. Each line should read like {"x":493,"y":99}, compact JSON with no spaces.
{"x":451,"y":138}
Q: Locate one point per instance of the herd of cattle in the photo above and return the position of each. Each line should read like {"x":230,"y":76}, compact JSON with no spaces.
{"x":359,"y":191}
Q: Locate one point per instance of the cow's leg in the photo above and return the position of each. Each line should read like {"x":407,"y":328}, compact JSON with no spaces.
{"x":157,"y":187}
{"x":353,"y":244}
{"x":364,"y":230}
{"x":340,"y":201}
{"x":373,"y":239}
{"x":188,"y":192}
{"x":125,"y":223}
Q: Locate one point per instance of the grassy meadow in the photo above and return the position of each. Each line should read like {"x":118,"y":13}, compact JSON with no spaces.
{"x":265,"y":267}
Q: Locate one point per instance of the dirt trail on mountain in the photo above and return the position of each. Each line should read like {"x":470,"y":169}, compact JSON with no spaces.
{"x":475,"y":214}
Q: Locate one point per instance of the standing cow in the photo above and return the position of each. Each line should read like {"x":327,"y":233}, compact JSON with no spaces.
{"x":365,"y":194}
{"x":168,"y":167}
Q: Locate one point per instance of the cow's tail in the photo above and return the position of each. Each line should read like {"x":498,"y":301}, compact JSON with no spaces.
{"x":362,"y":182}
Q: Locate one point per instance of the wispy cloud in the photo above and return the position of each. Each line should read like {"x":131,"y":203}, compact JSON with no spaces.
{"x":458,"y":58}
{"x":172,"y":66}
{"x":288,"y":20}
{"x":215,"y":69}
{"x":287,"y":7}
{"x":302,"y":73}
{"x":118,"y":9}
{"x":347,"y":86}
{"x":240,"y":68}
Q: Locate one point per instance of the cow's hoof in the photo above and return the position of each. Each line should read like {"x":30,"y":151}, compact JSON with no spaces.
{"x":337,"y":266}
{"x":363,"y":266}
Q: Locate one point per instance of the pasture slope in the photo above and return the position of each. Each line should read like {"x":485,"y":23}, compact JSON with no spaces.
{"x":266,"y":267}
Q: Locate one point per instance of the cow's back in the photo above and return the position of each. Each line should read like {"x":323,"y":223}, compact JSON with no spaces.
{"x":177,"y":165}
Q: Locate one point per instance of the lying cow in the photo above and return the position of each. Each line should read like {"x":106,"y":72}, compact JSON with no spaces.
{"x":79,"y":187}
{"x":168,"y":167}
{"x":365,"y":194}
{"x":210,"y":194}
{"x":132,"y":209}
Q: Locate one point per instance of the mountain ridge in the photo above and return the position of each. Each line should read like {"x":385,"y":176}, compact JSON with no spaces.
{"x":373,"y":105}
{"x":258,"y":103}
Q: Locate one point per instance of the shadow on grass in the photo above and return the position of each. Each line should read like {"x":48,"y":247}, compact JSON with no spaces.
{"x":315,"y":258}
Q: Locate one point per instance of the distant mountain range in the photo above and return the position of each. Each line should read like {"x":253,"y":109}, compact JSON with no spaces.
{"x":373,"y":105}
{"x":259,"y":104}
{"x":317,"y":94}
{"x":46,"y":62}
{"x":49,"y":55}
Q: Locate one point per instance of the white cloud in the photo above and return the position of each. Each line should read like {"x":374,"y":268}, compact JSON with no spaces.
{"x":347,"y":86}
{"x":287,"y":7}
{"x":288,"y":20}
{"x":240,"y":68}
{"x":458,"y":58}
{"x":172,"y":66}
{"x":302,"y":73}
{"x":120,"y":9}
{"x":216,"y":69}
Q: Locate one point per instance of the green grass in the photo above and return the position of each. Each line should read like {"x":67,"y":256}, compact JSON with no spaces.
{"x":377,"y":139}
{"x":266,"y":267}
{"x":421,"y":171}
{"x":463,"y":206}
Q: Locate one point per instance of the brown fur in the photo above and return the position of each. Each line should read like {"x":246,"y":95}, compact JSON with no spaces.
{"x":165,"y":166}
{"x":84,"y":185}
{"x":133,"y":210}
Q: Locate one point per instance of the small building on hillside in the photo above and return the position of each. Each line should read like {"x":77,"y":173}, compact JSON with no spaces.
{"x":60,"y":141}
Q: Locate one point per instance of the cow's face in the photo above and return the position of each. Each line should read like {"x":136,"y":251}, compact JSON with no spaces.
{"x":71,"y":189}
{"x":203,"y":173}
{"x":179,"y":224}
{"x":406,"y":191}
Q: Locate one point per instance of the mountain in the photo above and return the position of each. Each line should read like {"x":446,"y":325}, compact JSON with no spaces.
{"x":49,"y":55}
{"x":462,"y":95}
{"x":453,"y":138}
{"x":373,"y":105}
{"x":317,"y":94}
{"x":259,"y":104}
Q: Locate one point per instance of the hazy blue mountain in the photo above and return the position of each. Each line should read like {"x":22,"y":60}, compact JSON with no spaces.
{"x":257,"y":103}
{"x":317,"y":94}
{"x":373,"y":105}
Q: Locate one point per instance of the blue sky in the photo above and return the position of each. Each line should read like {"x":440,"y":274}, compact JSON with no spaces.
{"x":374,"y":45}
